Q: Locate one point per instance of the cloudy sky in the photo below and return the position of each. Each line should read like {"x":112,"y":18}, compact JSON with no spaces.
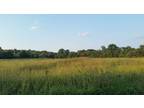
{"x":74,"y":32}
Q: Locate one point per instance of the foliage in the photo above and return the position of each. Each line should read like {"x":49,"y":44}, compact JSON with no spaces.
{"x":111,"y":51}
{"x":72,"y":76}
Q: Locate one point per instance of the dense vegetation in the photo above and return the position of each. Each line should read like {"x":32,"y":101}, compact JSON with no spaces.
{"x":110,"y":71}
{"x":72,"y":76}
{"x":111,"y":51}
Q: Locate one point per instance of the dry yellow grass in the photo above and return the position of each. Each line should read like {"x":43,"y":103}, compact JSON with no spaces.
{"x":72,"y":76}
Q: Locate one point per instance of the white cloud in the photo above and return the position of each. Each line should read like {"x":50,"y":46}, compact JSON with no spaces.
{"x":34,"y":27}
{"x":84,"y":34}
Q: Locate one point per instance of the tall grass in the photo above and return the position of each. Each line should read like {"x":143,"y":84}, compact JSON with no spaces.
{"x":72,"y":76}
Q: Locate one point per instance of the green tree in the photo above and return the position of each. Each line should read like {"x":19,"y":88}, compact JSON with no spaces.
{"x":113,"y":50}
{"x":24,"y":54}
{"x":141,"y":51}
{"x":63,"y":53}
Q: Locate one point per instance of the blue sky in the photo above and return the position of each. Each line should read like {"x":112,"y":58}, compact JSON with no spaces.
{"x":74,"y":32}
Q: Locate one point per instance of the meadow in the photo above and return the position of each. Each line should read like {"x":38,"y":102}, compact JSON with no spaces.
{"x":76,"y":76}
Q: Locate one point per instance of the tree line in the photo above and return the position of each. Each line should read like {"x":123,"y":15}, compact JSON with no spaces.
{"x":112,"y":50}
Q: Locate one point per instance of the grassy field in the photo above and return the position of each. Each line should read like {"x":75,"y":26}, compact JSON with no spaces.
{"x":72,"y":76}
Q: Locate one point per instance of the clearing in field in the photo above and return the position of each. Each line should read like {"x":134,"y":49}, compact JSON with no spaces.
{"x":72,"y":76}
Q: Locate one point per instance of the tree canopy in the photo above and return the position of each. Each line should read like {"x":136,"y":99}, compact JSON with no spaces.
{"x":112,"y":50}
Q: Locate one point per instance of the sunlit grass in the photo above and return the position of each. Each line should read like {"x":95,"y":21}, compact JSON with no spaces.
{"x":72,"y":76}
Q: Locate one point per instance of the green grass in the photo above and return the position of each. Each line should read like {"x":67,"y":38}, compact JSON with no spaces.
{"x":76,"y":76}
